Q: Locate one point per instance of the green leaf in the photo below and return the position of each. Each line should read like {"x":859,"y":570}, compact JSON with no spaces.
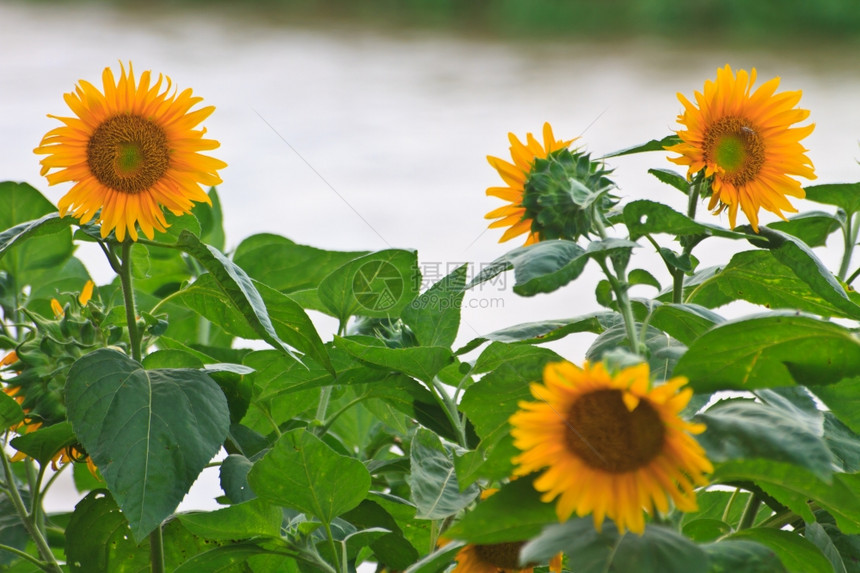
{"x":422,"y":362}
{"x":433,"y":480}
{"x":672,"y":178}
{"x":303,"y":473}
{"x":211,"y":221}
{"x":150,"y":432}
{"x":241,"y":521}
{"x":236,"y":284}
{"x":12,"y":530}
{"x":794,"y":254}
{"x":379,"y":285}
{"x":206,"y":297}
{"x":778,"y":349}
{"x":43,"y":444}
{"x":843,"y":195}
{"x":498,"y":355}
{"x":547,"y":330}
{"x":538,"y":268}
{"x":758,"y":277}
{"x":222,"y":559}
{"x":645,"y":217}
{"x":843,"y":399}
{"x":437,"y":561}
{"x":748,"y":430}
{"x":797,"y":554}
{"x":10,"y":411}
{"x":740,"y":556}
{"x":663,"y":350}
{"x":514,"y":513}
{"x":847,"y":545}
{"x":234,"y":478}
{"x":392,"y":549}
{"x":812,"y":227}
{"x":684,"y":322}
{"x":843,"y":443}
{"x":657,"y":550}
{"x":815,"y":533}
{"x":434,"y":316}
{"x":35,"y":238}
{"x":841,"y":497}
{"x":702,"y":530}
{"x":653,"y":145}
{"x":643,"y":277}
{"x":286,"y":266}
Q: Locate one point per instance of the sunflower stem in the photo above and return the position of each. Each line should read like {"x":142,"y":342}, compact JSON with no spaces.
{"x":156,"y":550}
{"x":852,"y":226}
{"x":26,"y":519}
{"x":750,"y":511}
{"x":128,"y":296}
{"x":678,"y":274}
{"x":40,"y":564}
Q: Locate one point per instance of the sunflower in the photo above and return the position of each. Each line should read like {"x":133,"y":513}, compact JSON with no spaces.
{"x":611,"y":445}
{"x":743,"y":140}
{"x":494,"y":557}
{"x":515,"y":175}
{"x":131,"y":150}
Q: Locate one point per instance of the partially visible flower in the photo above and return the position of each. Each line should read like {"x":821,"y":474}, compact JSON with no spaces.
{"x":611,"y":446}
{"x":10,"y":358}
{"x":495,"y":557}
{"x":131,"y":150}
{"x":743,"y":139}
{"x":57,"y":308}
{"x":86,"y":293}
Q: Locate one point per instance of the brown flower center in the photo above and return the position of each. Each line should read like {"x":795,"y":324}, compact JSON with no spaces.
{"x":128,"y":153}
{"x":735,"y":146}
{"x":607,"y":436}
{"x":501,"y":555}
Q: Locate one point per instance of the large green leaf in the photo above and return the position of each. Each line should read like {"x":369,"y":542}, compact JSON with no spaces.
{"x":740,"y":556}
{"x":841,"y":497}
{"x":422,"y":362}
{"x":843,"y":195}
{"x":778,"y":349}
{"x":237,"y":285}
{"x":797,"y":554}
{"x":43,"y":444}
{"x":392,"y":549}
{"x":433,"y":480}
{"x":35,"y":238}
{"x":206,"y":297}
{"x":434,"y":316}
{"x":303,"y":473}
{"x":547,"y":330}
{"x":211,"y":220}
{"x":541,"y":267}
{"x":748,"y":430}
{"x":241,"y":521}
{"x":286,"y":266}
{"x":645,"y":217}
{"x":816,"y":533}
{"x":663,"y":350}
{"x":379,"y":285}
{"x":758,"y":277}
{"x":150,"y":433}
{"x":652,"y":145}
{"x":658,"y":550}
{"x":684,"y":322}
{"x":10,"y":411}
{"x":812,"y":227}
{"x":843,"y":399}
{"x":514,"y":513}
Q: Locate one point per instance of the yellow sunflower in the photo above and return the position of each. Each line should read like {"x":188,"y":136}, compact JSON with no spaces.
{"x":131,"y":150}
{"x":515,"y":176}
{"x":495,"y":557}
{"x":611,"y":445}
{"x":744,"y":140}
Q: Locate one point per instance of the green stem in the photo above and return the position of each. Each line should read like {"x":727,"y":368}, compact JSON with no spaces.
{"x":678,"y":274}
{"x":450,"y":409}
{"x":727,"y":511}
{"x":40,"y":564}
{"x":128,"y":295}
{"x":750,"y":511}
{"x":620,"y":290}
{"x":853,"y":276}
{"x":156,"y":550}
{"x":852,"y":226}
{"x":39,"y":539}
{"x":333,"y":546}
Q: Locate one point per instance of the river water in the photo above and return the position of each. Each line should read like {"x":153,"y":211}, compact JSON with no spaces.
{"x":351,"y":139}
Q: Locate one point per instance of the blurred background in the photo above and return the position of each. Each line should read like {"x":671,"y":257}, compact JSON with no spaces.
{"x":365,"y":124}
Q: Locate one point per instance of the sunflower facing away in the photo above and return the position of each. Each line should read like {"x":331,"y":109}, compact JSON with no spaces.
{"x":131,"y":150}
{"x":744,"y":140}
{"x":495,"y":557}
{"x":515,"y":176}
{"x":610,"y":445}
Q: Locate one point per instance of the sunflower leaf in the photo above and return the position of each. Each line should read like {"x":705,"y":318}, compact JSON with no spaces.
{"x":843,"y":195}
{"x":798,"y":555}
{"x":812,"y":227}
{"x":653,"y":145}
{"x":645,"y":217}
{"x":434,"y":316}
{"x":742,"y":556}
{"x":767,"y":351}
{"x":539,"y":268}
{"x":658,"y":550}
{"x":433,"y":481}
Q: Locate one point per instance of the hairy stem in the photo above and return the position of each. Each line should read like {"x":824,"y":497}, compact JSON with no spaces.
{"x":134,"y":338}
{"x":852,"y":226}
